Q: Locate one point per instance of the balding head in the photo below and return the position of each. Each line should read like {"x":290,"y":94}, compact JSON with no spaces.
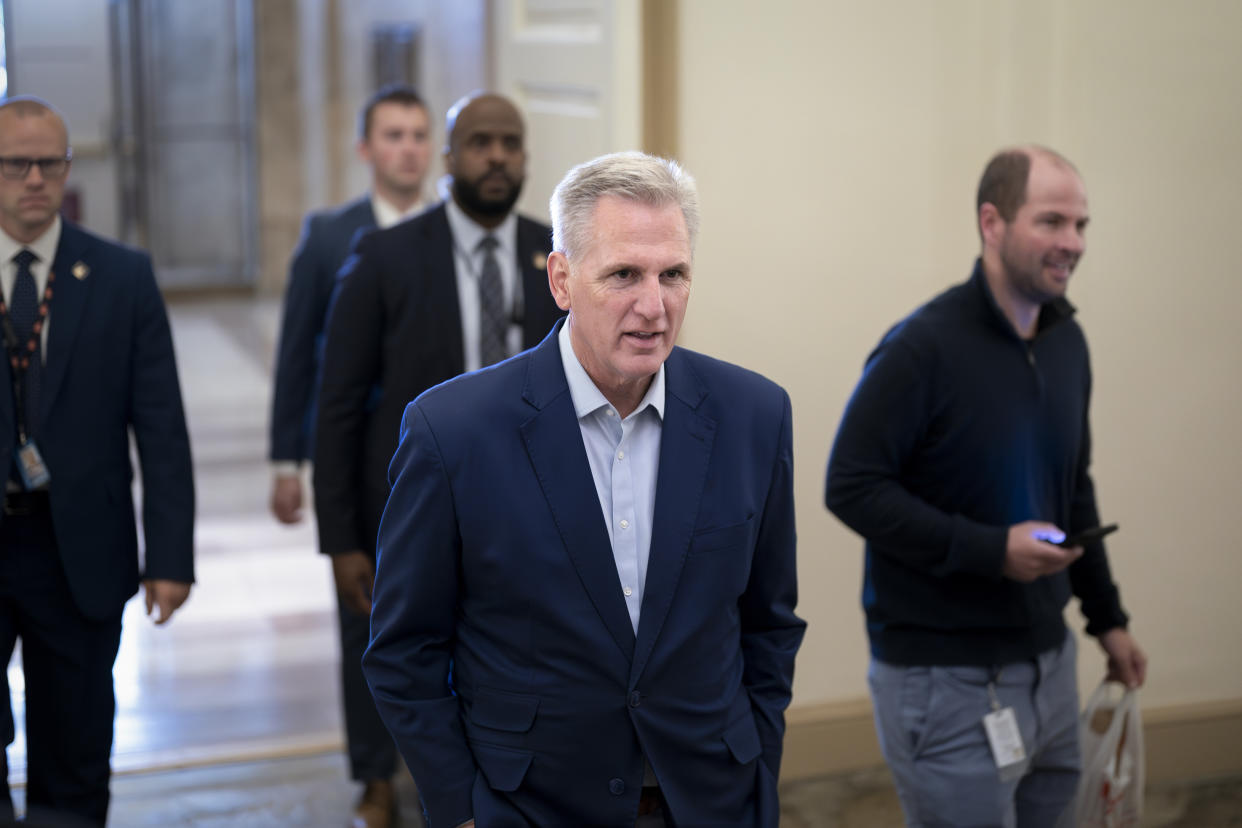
{"x":473,"y":107}
{"x":1004,"y":179}
{"x":28,"y":106}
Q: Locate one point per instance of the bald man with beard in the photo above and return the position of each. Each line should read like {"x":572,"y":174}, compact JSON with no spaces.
{"x":454,"y":289}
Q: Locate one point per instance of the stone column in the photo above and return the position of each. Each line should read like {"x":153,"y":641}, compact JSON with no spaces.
{"x":280,"y":129}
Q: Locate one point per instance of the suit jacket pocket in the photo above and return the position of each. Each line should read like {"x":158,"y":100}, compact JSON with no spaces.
{"x":503,"y":768}
{"x":742,"y":737}
{"x":502,"y":710}
{"x":725,"y":537}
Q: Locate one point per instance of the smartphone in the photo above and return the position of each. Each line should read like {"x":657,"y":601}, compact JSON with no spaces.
{"x":1087,"y":536}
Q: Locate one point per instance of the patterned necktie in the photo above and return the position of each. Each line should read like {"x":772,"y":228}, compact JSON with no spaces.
{"x":22,"y":311}
{"x":493,"y":322}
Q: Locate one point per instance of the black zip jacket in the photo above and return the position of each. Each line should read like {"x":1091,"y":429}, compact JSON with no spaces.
{"x":957,"y":430}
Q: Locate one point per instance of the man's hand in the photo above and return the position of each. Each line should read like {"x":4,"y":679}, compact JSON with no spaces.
{"x":287,"y":498}
{"x":167,"y":595}
{"x":1127,"y":663}
{"x":355,"y":576}
{"x":1031,"y":551}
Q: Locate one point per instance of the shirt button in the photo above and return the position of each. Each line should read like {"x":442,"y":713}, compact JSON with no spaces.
{"x":616,"y":787}
{"x":611,"y":413}
{"x":620,"y":455}
{"x":625,"y":524}
{"x":636,"y":699}
{"x":628,"y":592}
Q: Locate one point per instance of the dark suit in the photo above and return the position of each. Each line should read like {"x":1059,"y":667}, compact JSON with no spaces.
{"x":67,"y":572}
{"x":502,"y":655}
{"x":327,"y":238}
{"x":395,"y":323}
{"x":393,"y":331}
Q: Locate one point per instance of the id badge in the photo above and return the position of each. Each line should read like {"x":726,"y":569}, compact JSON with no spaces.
{"x":33,"y":470}
{"x":1006,"y":742}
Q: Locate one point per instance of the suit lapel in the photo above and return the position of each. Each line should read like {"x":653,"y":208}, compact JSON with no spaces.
{"x":533,"y":246}
{"x":685,"y":452}
{"x":556,"y":452}
{"x":438,"y":305}
{"x":8,"y":426}
{"x":363,"y":214}
{"x":69,"y":300}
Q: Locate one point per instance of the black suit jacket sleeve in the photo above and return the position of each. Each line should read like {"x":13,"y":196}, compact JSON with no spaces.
{"x":158,"y":422}
{"x":352,"y":365}
{"x":306,"y":303}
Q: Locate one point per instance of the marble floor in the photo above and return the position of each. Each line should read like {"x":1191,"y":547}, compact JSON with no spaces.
{"x":229,"y":716}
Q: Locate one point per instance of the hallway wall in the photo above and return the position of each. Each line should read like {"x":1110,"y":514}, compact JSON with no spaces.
{"x":838,"y":145}
{"x":71,"y":67}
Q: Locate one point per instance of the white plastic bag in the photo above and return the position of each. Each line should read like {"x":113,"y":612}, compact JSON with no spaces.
{"x":1110,"y":791}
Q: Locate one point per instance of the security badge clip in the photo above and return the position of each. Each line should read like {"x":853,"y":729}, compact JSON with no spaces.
{"x":1005,"y":738}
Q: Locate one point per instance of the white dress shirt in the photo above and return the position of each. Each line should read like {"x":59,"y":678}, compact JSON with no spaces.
{"x":386,"y":215}
{"x":468,"y":264}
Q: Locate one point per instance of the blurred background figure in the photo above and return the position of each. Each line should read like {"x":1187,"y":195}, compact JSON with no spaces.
{"x":394,"y":140}
{"x":459,"y":287}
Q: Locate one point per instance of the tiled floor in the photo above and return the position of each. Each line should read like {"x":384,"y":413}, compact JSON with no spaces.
{"x":230,"y":717}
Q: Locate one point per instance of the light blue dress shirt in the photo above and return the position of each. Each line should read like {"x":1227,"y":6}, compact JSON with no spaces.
{"x":625,"y":459}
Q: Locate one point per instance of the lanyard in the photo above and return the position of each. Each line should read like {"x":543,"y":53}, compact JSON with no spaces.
{"x":19,"y":358}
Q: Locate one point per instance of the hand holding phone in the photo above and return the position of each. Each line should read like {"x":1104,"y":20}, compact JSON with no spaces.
{"x":1087,"y":536}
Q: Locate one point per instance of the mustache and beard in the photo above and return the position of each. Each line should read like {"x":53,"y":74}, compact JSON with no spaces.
{"x":470,"y":196}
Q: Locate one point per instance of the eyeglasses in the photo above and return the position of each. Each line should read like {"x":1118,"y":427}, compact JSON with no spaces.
{"x":16,"y":169}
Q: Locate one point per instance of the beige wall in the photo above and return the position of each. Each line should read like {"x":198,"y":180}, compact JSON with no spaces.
{"x":454,"y":60}
{"x":837,"y":146}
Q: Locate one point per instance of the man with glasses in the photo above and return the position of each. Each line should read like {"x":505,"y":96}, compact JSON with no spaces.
{"x":89,"y":358}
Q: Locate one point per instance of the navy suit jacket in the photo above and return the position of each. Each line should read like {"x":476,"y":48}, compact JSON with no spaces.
{"x":110,"y":369}
{"x":395,"y":325}
{"x":502,"y":657}
{"x":327,"y":238}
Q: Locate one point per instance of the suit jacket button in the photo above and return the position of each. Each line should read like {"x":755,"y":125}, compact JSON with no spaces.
{"x":636,"y":699}
{"x":617,"y":787}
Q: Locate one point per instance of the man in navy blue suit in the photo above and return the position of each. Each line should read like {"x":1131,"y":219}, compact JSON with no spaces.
{"x":395,"y":141}
{"x":89,"y":360}
{"x":584,"y":598}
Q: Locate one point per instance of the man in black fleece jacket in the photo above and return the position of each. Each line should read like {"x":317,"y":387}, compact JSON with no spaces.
{"x":962,"y":459}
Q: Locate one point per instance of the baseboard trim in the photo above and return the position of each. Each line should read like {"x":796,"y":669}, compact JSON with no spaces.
{"x":1183,"y":742}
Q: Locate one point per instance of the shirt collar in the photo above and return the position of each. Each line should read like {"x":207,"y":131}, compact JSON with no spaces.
{"x":386,"y":214}
{"x":1050,"y":313}
{"x":44,"y":247}
{"x":586,"y":396}
{"x":467,"y":233}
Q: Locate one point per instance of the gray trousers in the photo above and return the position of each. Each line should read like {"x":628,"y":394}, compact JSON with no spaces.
{"x":930,"y":724}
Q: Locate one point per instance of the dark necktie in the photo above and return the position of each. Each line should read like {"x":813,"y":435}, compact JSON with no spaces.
{"x":493,"y":322}
{"x":23,"y":308}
